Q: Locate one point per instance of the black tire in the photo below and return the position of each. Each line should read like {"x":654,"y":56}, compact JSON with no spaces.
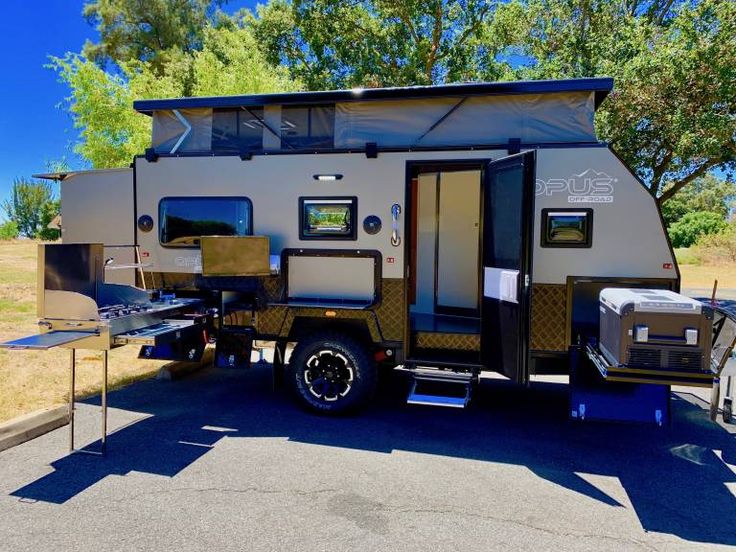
{"x":727,"y":412}
{"x":331,"y":373}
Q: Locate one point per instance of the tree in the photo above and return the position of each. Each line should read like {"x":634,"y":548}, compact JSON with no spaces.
{"x":111,"y":132}
{"x":8,"y":230}
{"x":672,"y":115}
{"x":31,"y":207}
{"x":337,"y":44}
{"x":134,"y":30}
{"x":707,"y":193}
{"x":686,"y":231}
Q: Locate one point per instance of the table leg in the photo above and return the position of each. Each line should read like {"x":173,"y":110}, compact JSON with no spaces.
{"x":72,"y":369}
{"x":104,"y":401}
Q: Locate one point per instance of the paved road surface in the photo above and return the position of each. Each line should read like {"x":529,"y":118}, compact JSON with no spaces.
{"x":218,"y":462}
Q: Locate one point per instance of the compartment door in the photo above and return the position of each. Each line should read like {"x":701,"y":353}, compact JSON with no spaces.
{"x":508,"y":209}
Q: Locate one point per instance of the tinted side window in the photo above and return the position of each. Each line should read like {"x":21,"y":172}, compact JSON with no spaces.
{"x":237,"y":129}
{"x":567,"y":227}
{"x":183,"y":220}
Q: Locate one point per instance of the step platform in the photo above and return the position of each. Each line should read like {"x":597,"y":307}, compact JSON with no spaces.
{"x":432,"y":386}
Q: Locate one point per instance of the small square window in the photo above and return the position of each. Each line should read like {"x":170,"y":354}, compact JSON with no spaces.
{"x":567,"y":227}
{"x":323,"y":218}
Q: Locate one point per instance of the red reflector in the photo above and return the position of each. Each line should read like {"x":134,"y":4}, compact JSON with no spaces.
{"x":667,"y":266}
{"x":145,"y":254}
{"x":390,"y":260}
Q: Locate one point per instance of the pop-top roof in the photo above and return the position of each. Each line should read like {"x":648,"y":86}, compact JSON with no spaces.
{"x":599,"y":86}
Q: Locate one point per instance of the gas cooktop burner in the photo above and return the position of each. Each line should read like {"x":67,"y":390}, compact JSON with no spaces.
{"x":116,"y":311}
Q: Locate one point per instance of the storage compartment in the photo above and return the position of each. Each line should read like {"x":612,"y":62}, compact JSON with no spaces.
{"x":158,"y":334}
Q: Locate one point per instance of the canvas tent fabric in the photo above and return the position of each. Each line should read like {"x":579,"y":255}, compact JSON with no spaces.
{"x":168,"y":128}
{"x":478,"y":120}
{"x":439,"y":121}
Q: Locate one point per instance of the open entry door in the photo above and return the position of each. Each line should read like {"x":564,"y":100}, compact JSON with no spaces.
{"x":508,"y":209}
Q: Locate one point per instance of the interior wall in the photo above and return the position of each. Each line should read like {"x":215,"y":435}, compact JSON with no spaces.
{"x":458,"y":239}
{"x":426,"y":242}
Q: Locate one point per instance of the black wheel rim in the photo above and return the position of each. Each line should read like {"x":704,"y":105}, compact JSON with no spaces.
{"x":329,"y":375}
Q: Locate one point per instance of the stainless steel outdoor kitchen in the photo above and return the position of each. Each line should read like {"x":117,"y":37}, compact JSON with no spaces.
{"x":78,"y":310}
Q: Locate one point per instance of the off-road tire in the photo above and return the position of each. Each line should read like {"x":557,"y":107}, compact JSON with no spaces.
{"x":331,"y":373}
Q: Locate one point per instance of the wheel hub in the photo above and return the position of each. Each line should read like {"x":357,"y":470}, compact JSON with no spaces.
{"x":328,"y":375}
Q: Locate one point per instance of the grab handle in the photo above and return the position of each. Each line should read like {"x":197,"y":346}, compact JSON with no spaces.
{"x":395,"y":212}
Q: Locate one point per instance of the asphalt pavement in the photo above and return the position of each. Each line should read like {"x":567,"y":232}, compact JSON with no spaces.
{"x":220,"y":462}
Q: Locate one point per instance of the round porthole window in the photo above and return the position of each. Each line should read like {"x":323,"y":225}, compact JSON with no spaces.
{"x":372,"y":224}
{"x":145,"y":223}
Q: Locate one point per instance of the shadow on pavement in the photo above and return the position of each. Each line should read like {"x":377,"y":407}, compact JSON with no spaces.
{"x":675,"y":481}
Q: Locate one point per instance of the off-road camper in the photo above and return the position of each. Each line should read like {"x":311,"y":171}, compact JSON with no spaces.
{"x":446,"y":230}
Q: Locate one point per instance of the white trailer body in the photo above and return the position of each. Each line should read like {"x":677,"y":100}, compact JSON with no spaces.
{"x":455,"y":229}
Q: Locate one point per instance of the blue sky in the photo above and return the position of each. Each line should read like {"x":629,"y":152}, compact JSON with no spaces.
{"x":33,"y":130}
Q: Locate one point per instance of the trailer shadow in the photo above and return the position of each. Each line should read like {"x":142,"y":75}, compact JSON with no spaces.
{"x":674,"y":477}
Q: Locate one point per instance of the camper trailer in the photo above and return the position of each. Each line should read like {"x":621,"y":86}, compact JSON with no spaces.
{"x":447,"y":231}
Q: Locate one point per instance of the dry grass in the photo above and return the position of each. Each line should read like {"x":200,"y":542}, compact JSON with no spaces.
{"x":30,"y":380}
{"x":702,"y":276}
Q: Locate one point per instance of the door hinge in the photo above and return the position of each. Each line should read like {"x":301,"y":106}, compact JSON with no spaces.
{"x":526,"y":280}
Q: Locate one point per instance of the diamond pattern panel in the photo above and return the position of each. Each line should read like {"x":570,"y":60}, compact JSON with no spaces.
{"x":455,"y":342}
{"x":549,"y":317}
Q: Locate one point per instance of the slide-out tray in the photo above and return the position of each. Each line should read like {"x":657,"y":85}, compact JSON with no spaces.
{"x":46,"y":340}
{"x":158,"y":334}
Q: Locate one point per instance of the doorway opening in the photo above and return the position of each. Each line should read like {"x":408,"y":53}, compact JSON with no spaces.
{"x":445,"y":262}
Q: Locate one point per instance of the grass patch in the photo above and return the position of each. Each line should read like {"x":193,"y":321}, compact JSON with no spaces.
{"x":686,"y":256}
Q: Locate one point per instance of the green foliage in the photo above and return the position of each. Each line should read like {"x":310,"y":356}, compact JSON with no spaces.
{"x":672,"y":115}
{"x":687,"y":256}
{"x":31,"y":207}
{"x":707,"y":193}
{"x":717,"y":248}
{"x":49,"y":211}
{"x":146,"y":31}
{"x":8,"y":230}
{"x":110,"y":132}
{"x":686,"y":231}
{"x":336,"y":44}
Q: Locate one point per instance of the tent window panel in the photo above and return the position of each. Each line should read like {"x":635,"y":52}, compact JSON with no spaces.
{"x":567,"y":227}
{"x":328,"y":218}
{"x":236,"y":129}
{"x":308,"y":126}
{"x":184,"y":220}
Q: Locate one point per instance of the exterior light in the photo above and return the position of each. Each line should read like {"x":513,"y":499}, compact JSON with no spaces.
{"x":327,"y":177}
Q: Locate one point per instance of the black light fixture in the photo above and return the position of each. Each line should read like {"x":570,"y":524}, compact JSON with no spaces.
{"x":327,"y":177}
{"x":151,"y":155}
{"x":371,"y":150}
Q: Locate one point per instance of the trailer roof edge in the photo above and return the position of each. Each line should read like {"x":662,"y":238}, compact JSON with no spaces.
{"x":61,"y":175}
{"x":600,"y":86}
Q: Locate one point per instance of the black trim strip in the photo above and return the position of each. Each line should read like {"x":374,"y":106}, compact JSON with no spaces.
{"x":599,"y":86}
{"x":313,"y":151}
